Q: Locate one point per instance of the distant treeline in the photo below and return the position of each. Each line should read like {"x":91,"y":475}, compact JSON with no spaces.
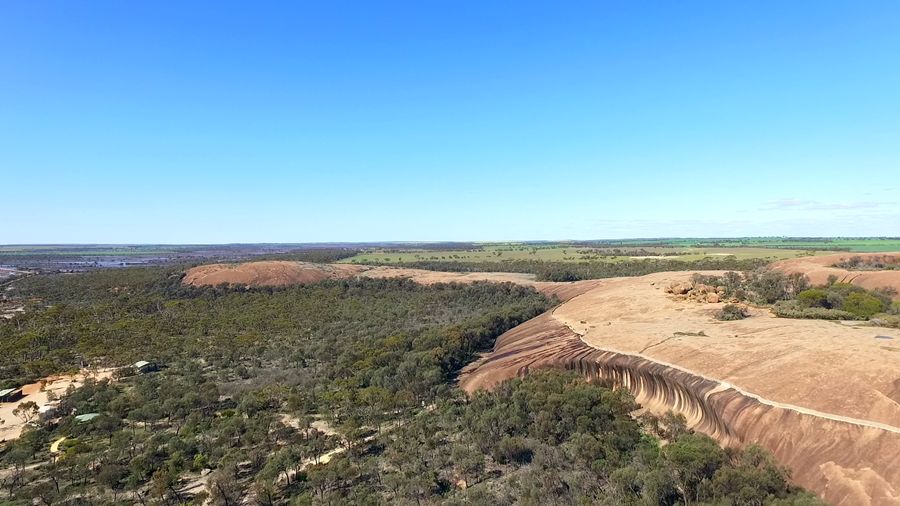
{"x":567,"y":271}
{"x":317,"y":255}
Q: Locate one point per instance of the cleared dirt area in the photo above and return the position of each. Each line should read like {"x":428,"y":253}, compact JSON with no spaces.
{"x":819,"y":268}
{"x":38,"y":392}
{"x":824,"y":397}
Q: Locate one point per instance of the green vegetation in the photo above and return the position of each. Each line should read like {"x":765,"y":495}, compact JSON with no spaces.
{"x":553,"y":438}
{"x":121,"y":316}
{"x":259,"y":386}
{"x":567,"y":271}
{"x":838,"y":301}
{"x":565,"y":253}
{"x":792,"y":297}
{"x":761,"y":249}
{"x":857,"y":244}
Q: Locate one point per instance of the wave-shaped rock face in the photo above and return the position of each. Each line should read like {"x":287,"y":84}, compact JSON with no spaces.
{"x":866,"y":275}
{"x":827,"y":417}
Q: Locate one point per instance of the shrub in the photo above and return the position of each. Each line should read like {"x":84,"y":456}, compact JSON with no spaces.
{"x":513,"y":450}
{"x":732,"y":312}
{"x":814,"y":297}
{"x":886,"y":320}
{"x":793,"y":309}
{"x":863,"y":304}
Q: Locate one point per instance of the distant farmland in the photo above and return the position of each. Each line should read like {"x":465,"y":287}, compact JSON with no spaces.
{"x":556,"y":253}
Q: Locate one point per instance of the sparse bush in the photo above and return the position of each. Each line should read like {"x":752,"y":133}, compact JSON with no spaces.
{"x":732,"y":312}
{"x":768,"y":286}
{"x":793,"y":309}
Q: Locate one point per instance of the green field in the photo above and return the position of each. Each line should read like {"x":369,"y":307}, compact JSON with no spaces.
{"x":765,"y":248}
{"x":855,"y":244}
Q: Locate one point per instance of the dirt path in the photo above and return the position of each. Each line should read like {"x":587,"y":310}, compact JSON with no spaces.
{"x":54,"y":447}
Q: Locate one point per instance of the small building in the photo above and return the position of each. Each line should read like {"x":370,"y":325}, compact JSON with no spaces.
{"x":48,"y":411}
{"x":11,"y":394}
{"x":143,"y":367}
{"x":87,"y":417}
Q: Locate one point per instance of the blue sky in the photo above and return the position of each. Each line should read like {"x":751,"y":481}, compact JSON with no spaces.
{"x":193,"y":122}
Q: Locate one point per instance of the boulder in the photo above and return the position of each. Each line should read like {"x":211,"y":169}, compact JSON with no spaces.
{"x":679,"y":288}
{"x":712,"y":298}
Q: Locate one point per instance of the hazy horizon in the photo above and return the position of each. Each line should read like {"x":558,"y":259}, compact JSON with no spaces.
{"x":438,"y":242}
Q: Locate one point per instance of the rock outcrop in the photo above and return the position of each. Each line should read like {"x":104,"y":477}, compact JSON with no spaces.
{"x":698,"y":292}
{"x":846,"y":461}
{"x":821,"y":396}
{"x":267,"y":273}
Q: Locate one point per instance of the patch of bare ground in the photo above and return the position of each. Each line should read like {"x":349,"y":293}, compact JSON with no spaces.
{"x":819,"y":268}
{"x":821,"y":397}
{"x":39,"y":393}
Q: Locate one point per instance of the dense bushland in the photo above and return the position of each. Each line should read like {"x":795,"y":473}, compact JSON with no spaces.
{"x":118,"y":317}
{"x":553,"y":438}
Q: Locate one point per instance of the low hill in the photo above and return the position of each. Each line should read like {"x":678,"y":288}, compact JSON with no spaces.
{"x":268,"y":273}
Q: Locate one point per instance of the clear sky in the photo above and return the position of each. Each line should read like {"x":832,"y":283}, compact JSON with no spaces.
{"x":209,"y":122}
